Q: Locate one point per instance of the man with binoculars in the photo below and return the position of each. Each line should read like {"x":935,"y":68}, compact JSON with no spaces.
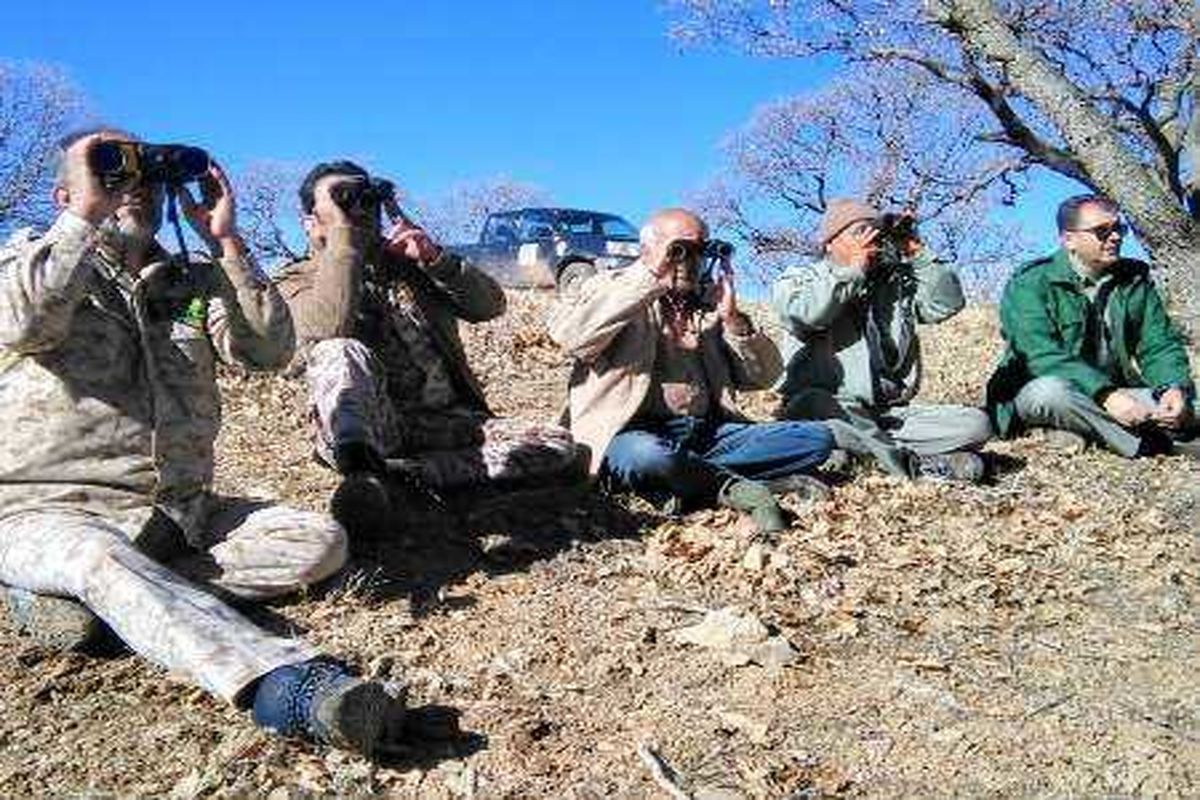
{"x":394,"y":403}
{"x":109,"y":404}
{"x":660,"y":348}
{"x":853,"y":356}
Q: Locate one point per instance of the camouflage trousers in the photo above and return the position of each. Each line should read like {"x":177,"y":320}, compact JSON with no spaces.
{"x":255,"y":550}
{"x":446,"y":448}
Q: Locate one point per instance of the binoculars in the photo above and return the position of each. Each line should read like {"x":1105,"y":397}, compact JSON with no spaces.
{"x":119,"y":164}
{"x":683,"y":250}
{"x":363,"y":196}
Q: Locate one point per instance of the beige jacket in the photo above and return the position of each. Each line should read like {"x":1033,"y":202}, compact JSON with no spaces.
{"x":108,"y":401}
{"x":337,"y":293}
{"x":611,"y":328}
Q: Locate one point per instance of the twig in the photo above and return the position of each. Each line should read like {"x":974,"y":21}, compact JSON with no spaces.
{"x":664,"y":775}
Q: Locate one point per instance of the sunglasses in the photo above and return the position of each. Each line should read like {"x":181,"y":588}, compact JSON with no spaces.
{"x":1102,"y":232}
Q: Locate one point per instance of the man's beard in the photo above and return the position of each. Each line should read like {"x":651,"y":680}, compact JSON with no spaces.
{"x":124,"y":236}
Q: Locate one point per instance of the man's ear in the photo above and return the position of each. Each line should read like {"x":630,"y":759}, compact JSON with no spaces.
{"x":62,"y":197}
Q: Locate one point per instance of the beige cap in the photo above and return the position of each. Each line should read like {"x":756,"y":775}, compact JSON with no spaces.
{"x":841,"y":214}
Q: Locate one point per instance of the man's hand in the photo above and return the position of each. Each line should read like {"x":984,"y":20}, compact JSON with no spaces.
{"x":855,"y":248}
{"x":409,"y":240}
{"x":214,"y":219}
{"x":1172,"y":411}
{"x":1123,"y":406}
{"x":725,"y":300}
{"x":86,"y":197}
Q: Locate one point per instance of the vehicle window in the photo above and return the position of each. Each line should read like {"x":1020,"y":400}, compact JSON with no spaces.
{"x":615,"y":227}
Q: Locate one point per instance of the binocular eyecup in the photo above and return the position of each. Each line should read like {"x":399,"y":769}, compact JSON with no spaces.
{"x":119,"y":163}
{"x":362,"y":196}
{"x":685,"y":249}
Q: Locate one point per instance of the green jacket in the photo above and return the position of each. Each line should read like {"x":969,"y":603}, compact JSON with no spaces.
{"x":1044,"y":318}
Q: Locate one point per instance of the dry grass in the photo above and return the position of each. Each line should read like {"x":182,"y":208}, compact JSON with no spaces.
{"x":1035,"y":636}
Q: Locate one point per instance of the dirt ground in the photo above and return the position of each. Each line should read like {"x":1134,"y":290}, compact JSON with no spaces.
{"x":1034,"y":636}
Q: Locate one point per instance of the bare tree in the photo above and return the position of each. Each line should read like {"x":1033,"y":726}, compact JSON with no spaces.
{"x":871,"y":135}
{"x":38,"y":105}
{"x":269,"y":210}
{"x":457,"y":216}
{"x":1100,"y":91}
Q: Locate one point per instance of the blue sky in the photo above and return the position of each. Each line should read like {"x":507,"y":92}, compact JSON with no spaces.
{"x":587,"y":99}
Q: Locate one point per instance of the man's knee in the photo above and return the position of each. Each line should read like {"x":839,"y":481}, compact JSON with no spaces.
{"x":325,"y":549}
{"x":635,"y":455}
{"x":1048,"y":396}
{"x":338,"y":356}
{"x":973,"y":428}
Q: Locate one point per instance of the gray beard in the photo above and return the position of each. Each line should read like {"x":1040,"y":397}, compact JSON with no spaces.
{"x":123,"y":240}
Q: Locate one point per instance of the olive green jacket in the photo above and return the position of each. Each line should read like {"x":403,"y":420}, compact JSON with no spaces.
{"x":1045,"y":319}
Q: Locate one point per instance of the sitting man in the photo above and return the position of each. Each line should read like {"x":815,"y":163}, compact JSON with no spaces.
{"x":1091,"y":353}
{"x":656,"y":364}
{"x":109,"y":404}
{"x":390,"y":390}
{"x":853,"y":355}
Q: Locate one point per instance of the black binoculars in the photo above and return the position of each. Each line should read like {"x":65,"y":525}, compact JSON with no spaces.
{"x":120,"y":164}
{"x":684,"y":250}
{"x":362,"y":196}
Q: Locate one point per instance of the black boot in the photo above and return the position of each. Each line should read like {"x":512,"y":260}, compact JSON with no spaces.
{"x":361,"y":502}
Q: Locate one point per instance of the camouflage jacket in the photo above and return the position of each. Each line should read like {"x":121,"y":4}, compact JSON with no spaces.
{"x":108,"y":396}
{"x":339,"y":292}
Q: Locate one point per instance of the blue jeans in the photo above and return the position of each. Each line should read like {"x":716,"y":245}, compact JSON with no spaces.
{"x":691,"y":457}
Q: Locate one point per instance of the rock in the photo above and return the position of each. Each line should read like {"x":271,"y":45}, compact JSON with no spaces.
{"x":739,"y":639}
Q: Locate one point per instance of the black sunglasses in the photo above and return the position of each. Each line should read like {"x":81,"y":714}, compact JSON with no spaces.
{"x":1102,"y":232}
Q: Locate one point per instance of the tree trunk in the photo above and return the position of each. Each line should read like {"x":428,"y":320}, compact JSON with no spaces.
{"x":1166,"y":230}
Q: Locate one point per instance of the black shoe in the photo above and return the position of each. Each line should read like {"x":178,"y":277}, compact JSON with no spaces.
{"x":961,"y":466}
{"x":362,"y":505}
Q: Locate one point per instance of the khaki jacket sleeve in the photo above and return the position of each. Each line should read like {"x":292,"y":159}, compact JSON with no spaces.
{"x":586,"y":325}
{"x":324,"y":301}
{"x":939,"y":291}
{"x":472,"y":293}
{"x":42,"y":282}
{"x":248,"y":321}
{"x":754,"y":360}
{"x":811,"y":299}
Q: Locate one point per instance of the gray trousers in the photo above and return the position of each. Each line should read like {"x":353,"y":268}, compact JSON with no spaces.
{"x":1055,"y":403}
{"x":889,"y":434}
{"x":254,"y":551}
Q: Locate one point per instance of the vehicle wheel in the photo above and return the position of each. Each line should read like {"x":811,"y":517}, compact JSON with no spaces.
{"x":572,"y":276}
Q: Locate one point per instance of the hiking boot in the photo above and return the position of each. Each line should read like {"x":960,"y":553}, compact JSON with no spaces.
{"x":55,"y":622}
{"x":321,"y":701}
{"x":362,"y":505}
{"x":755,"y":499}
{"x":1062,"y":441}
{"x":839,"y":461}
{"x":961,"y":466}
{"x":804,"y":487}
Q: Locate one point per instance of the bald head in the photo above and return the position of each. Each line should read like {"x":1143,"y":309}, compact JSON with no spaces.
{"x":669,"y":225}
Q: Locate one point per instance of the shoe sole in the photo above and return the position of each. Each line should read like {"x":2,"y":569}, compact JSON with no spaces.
{"x":355,"y":717}
{"x":55,"y":622}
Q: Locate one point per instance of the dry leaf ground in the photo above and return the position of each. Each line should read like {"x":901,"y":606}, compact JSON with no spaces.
{"x":1037,"y":636}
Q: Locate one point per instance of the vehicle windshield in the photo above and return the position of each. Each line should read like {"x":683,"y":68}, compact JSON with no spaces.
{"x":576,"y":223}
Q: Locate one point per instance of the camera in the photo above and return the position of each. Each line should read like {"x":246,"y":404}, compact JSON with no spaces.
{"x":896,"y":231}
{"x":118,"y":164}
{"x":362,"y":196}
